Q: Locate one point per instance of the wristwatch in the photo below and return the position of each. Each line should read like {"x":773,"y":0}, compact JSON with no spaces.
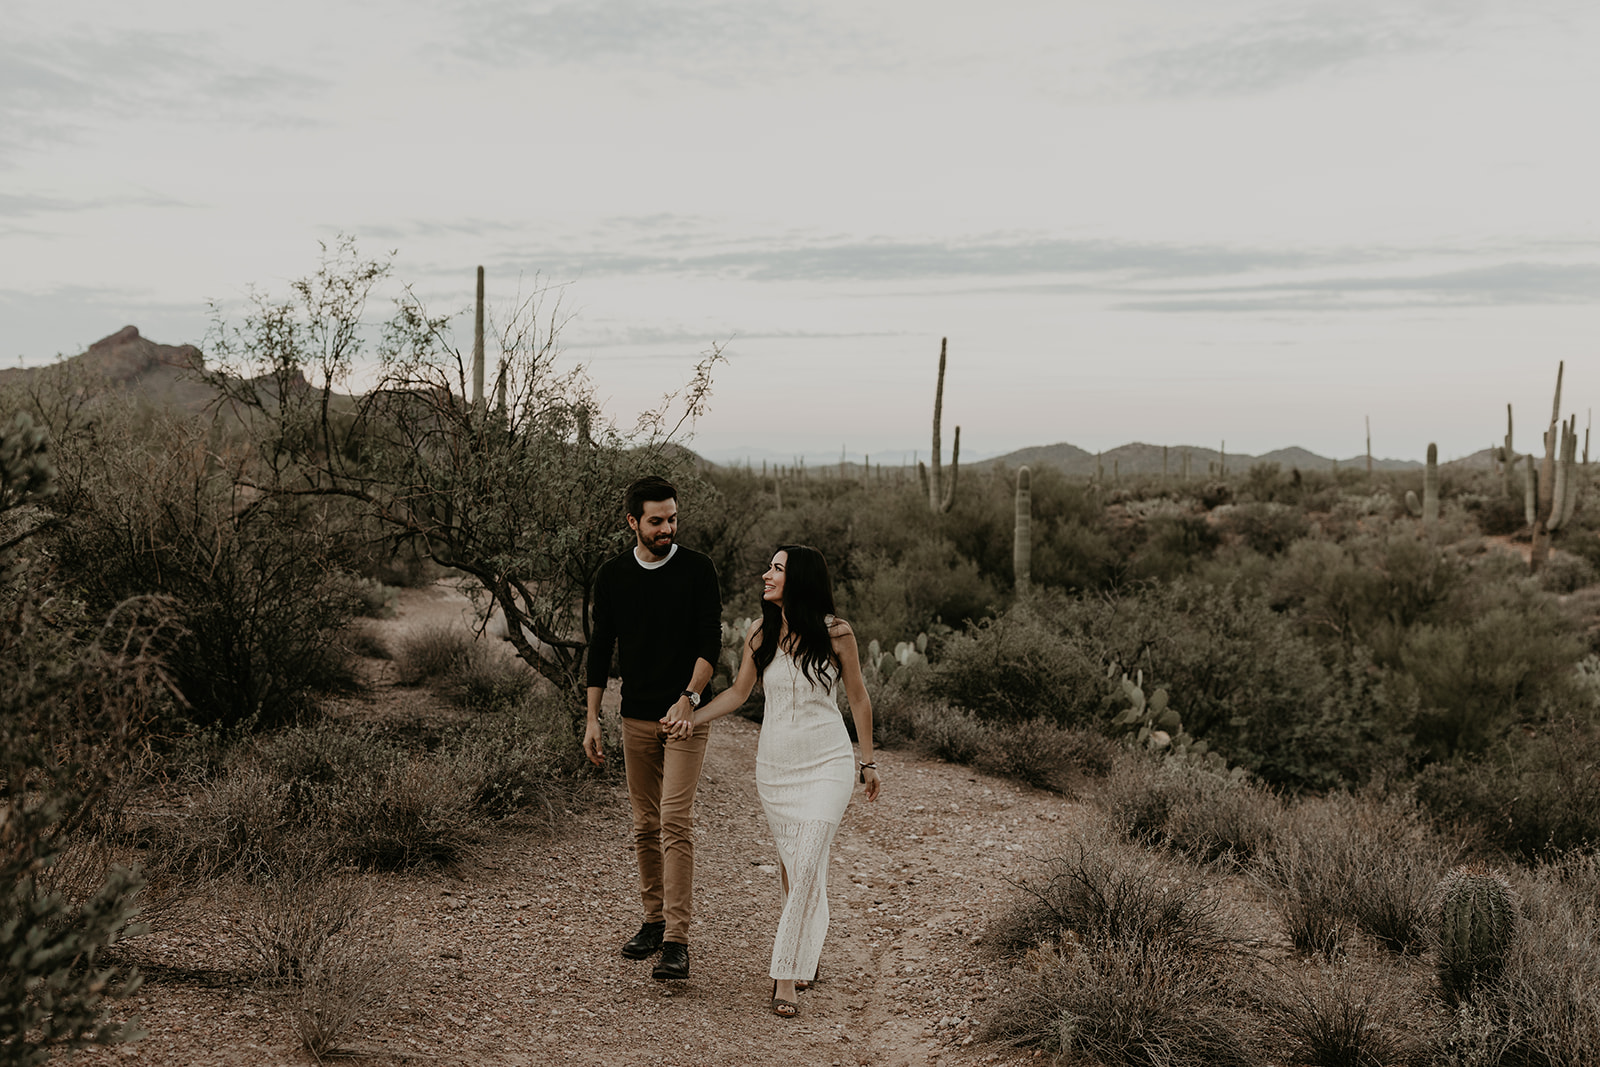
{"x":694,"y":698}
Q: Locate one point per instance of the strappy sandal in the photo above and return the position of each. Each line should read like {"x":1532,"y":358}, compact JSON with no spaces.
{"x":783,"y":1009}
{"x":802,"y":984}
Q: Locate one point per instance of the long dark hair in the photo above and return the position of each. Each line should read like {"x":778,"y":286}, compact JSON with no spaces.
{"x":807,"y":603}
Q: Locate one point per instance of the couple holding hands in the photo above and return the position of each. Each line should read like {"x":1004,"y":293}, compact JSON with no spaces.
{"x":658,"y":604}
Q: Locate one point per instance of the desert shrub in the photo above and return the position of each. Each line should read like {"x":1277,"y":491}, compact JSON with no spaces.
{"x":1119,"y":961}
{"x":1105,"y":892}
{"x":433,"y":652}
{"x":1046,"y":756}
{"x":950,"y":733}
{"x":1475,"y":678}
{"x":1191,"y":810}
{"x":1342,"y":862}
{"x":77,"y":696}
{"x":522,"y":761}
{"x":418,"y":814}
{"x":1266,"y":528}
{"x":361,"y":641}
{"x":1566,"y":573}
{"x":1340,"y":1020}
{"x":254,"y":583}
{"x":1248,"y":685}
{"x":374,"y":599}
{"x":488,"y":683}
{"x":1496,"y":514}
{"x":1171,"y":546}
{"x":316,"y":941}
{"x":1532,"y":796}
{"x":1121,"y":1004}
{"x":1074,"y":555}
{"x":1018,"y":667}
{"x":893,"y":600}
{"x":1035,"y":751}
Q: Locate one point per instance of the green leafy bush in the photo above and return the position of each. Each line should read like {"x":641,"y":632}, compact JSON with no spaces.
{"x":1019,"y":666}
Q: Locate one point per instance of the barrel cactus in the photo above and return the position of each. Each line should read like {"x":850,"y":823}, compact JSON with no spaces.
{"x":1477,"y":926}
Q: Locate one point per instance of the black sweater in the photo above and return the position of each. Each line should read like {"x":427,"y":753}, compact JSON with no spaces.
{"x":660,"y":621}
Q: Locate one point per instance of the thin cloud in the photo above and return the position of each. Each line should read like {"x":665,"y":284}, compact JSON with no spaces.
{"x":1273,"y":53}
{"x":52,"y":88}
{"x":698,"y":41}
{"x":1519,"y":283}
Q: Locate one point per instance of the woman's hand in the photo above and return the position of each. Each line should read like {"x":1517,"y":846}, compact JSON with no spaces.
{"x":869,"y":775}
{"x":679,"y":729}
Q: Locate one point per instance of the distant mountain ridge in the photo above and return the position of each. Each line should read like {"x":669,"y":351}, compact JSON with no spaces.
{"x":164,"y":375}
{"x":1140,"y":458}
{"x":167,"y":375}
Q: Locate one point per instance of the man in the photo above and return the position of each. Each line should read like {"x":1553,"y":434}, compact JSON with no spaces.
{"x":658,"y":604}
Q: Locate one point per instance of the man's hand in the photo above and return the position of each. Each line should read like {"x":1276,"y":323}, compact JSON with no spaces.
{"x":682,"y":711}
{"x":593,"y":747}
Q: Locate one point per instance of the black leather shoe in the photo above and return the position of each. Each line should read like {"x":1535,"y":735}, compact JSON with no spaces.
{"x":674,"y":962}
{"x":645,"y":943}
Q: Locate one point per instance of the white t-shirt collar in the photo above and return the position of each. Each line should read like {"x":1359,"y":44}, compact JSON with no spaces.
{"x":662,"y":562}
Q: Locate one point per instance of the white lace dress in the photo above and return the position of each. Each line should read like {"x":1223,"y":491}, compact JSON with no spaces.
{"x":805,"y":770}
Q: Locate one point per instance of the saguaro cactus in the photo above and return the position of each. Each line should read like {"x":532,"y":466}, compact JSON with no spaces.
{"x":1477,"y":926}
{"x":477,"y":346}
{"x":1369,"y":446}
{"x":940,"y":501}
{"x":1557,"y":483}
{"x":1430,"y":487}
{"x":1022,"y":535}
{"x":1508,"y":457}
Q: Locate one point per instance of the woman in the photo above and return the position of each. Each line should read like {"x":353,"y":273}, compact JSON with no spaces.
{"x":805,"y":771}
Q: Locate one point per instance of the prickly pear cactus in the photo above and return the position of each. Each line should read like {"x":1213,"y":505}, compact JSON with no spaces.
{"x":1477,"y":926}
{"x":1413,"y":505}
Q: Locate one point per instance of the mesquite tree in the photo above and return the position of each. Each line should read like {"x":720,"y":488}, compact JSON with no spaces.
{"x":525,"y":499}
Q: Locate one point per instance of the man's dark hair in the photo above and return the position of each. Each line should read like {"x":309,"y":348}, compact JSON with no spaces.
{"x":652,"y":488}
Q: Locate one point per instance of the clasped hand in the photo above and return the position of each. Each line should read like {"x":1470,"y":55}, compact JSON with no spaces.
{"x":677,"y":729}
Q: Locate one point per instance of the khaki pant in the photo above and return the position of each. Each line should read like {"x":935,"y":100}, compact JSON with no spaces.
{"x":662,"y":778}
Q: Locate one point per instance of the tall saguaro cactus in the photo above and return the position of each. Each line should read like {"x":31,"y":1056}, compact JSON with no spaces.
{"x":1509,"y":457}
{"x":1369,"y":447}
{"x":477,"y":346}
{"x":1022,"y":536}
{"x":1556,"y":487}
{"x":1430,"y":487}
{"x":941,"y":496}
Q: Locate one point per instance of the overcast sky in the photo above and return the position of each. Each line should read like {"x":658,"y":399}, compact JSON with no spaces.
{"x":1151,"y":220}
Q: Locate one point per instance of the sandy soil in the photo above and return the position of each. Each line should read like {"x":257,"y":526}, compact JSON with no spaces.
{"x":515,"y":961}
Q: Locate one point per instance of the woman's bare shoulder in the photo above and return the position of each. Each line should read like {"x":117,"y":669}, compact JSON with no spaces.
{"x":837,"y":627}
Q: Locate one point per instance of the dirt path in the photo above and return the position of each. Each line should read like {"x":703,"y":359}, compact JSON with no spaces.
{"x":516,"y":961}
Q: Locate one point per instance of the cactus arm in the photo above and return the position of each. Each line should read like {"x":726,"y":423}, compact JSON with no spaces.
{"x":1530,"y":492}
{"x":1558,"y":495}
{"x":955,"y":469}
{"x":1547,"y":471}
{"x":1566,"y":476}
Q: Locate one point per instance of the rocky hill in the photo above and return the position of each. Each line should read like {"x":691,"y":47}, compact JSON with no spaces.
{"x":164,"y":375}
